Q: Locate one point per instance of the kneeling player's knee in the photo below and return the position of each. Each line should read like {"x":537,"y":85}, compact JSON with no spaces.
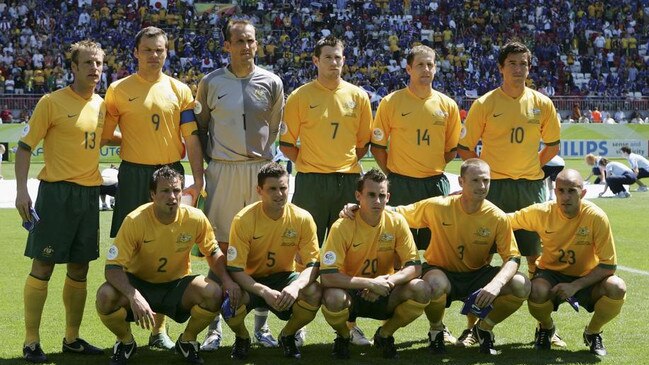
{"x":107,"y":297}
{"x":438,"y":284}
{"x":334,"y":299}
{"x":421,"y":291}
{"x":520,"y":285}
{"x":312,"y":294}
{"x":540,"y":291}
{"x":615,"y":287}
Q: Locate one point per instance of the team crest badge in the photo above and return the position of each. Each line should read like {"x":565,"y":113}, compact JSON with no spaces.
{"x":289,"y":233}
{"x":184,"y":238}
{"x":583,"y":231}
{"x":48,"y":251}
{"x":350,"y":104}
{"x":260,"y":95}
{"x":386,"y":237}
{"x":483,"y":232}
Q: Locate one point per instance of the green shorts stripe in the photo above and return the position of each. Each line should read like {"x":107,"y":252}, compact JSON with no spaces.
{"x":68,"y":230}
{"x":135,"y":180}
{"x":464,"y":283}
{"x":277,"y":281}
{"x":584,"y":296}
{"x":324,"y":195}
{"x":406,"y":190}
{"x":512,"y":195}
{"x":164,"y":298}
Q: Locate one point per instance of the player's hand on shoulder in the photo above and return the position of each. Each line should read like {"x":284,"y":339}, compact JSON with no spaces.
{"x":348,"y":211}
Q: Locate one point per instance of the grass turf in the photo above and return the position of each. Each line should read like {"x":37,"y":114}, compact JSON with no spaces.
{"x":622,"y":337}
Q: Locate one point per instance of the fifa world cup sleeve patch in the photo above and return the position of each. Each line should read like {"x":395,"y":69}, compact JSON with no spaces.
{"x":198,"y":107}
{"x":25,"y":130}
{"x":113,"y":251}
{"x":463,"y":132}
{"x":283,"y":128}
{"x":378,"y":134}
{"x":232,"y":253}
{"x":329,"y":258}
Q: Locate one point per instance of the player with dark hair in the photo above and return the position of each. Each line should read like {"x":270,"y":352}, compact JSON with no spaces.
{"x":640,"y":166}
{"x":239,"y":110}
{"x":358,"y":270}
{"x":155,"y":115}
{"x":70,"y":123}
{"x":148,"y":271}
{"x":264,"y":240}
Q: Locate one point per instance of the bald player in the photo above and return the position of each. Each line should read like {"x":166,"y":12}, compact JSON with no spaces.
{"x":578,"y":261}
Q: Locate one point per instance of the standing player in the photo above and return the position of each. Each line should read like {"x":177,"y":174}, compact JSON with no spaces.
{"x":511,"y":121}
{"x":358,"y":269}
{"x":70,"y":122}
{"x":238,"y":109}
{"x":578,"y":261}
{"x":332,"y":120}
{"x":148,"y":271}
{"x":155,"y":114}
{"x":639,"y":165}
{"x":422,"y":127}
{"x":264,"y":240}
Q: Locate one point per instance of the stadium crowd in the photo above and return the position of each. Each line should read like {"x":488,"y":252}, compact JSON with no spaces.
{"x":580,"y":47}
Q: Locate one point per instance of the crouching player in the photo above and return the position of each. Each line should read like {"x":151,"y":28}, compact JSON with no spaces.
{"x":577,"y":264}
{"x":148,"y":271}
{"x":358,"y":269}
{"x":266,"y":237}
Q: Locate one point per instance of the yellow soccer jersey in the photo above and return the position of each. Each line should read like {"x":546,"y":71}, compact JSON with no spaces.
{"x":157,"y":252}
{"x":261,"y":246}
{"x":511,"y":130}
{"x":355,"y":248}
{"x":71,"y":128}
{"x":330,"y":124}
{"x":461,"y":242}
{"x":151,"y":116}
{"x":419,"y":132}
{"x":570,"y":246}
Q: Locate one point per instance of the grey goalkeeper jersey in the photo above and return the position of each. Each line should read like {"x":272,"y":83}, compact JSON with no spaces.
{"x":238,"y":118}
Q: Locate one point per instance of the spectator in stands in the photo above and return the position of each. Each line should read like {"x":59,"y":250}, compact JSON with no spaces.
{"x":596,"y":116}
{"x":6,"y":115}
{"x":620,"y":117}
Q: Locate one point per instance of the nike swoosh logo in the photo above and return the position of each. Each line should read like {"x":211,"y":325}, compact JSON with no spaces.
{"x":127,"y":354}
{"x":446,"y":224}
{"x":221,"y":96}
{"x":548,"y":232}
{"x":257,"y":237}
{"x":185,"y":352}
{"x":356,"y":244}
{"x":404,"y":114}
{"x":72,"y":115}
{"x":131,"y":99}
{"x":147,"y":241}
{"x":497,"y":115}
{"x":76,"y":349}
{"x":314,"y":106}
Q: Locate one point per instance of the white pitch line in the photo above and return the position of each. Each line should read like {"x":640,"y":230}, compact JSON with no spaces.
{"x":632,"y":270}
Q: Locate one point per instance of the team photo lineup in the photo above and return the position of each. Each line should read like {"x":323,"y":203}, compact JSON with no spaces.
{"x":390,"y":243}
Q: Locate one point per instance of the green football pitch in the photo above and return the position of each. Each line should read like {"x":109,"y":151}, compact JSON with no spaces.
{"x":623,"y":337}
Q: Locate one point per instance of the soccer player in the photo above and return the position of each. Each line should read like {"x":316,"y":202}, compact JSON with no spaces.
{"x":70,"y":122}
{"x":596,"y":170}
{"x":148,"y":271}
{"x":511,"y":121}
{"x":358,"y":269}
{"x":463,"y":229}
{"x":238,"y":110}
{"x":422,"y":127}
{"x":332,"y":120}
{"x":155,"y":114}
{"x":578,"y":261}
{"x":264,"y":240}
{"x":639,"y":165}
